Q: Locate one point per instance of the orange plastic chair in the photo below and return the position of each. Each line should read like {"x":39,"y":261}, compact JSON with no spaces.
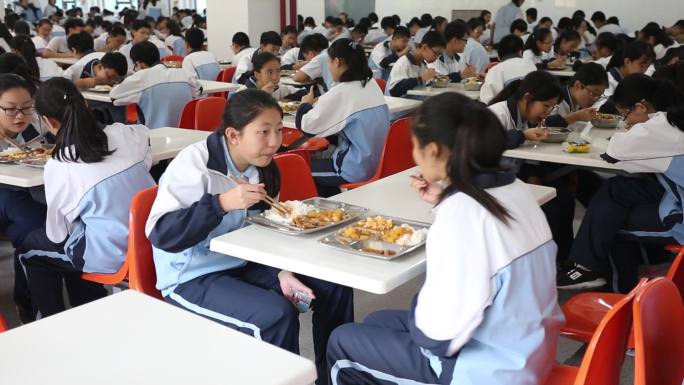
{"x":208,"y":113}
{"x":658,"y":334}
{"x":296,"y":182}
{"x":187,"y":119}
{"x":605,"y":354}
{"x":584,"y":311}
{"x":172,"y":58}
{"x":290,"y":135}
{"x":396,"y":154}
{"x":3,"y":324}
{"x":489,"y":66}
{"x":382,"y":84}
{"x":142,"y":275}
{"x":132,"y":113}
{"x":226,"y":74}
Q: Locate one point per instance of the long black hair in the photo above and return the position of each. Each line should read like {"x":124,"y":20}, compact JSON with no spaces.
{"x":538,"y":35}
{"x":663,"y":95}
{"x":632,"y":51}
{"x":80,"y":136}
{"x":654,"y":30}
{"x":591,"y":74}
{"x":13,"y":63}
{"x":24,"y":46}
{"x":475,"y":139}
{"x":353,"y":55}
{"x":5,"y":33}
{"x":244,"y":107}
{"x":541,"y":85}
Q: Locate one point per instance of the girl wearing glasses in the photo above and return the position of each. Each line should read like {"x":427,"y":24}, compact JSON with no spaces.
{"x":578,"y":97}
{"x":629,"y":210}
{"x":266,"y":76}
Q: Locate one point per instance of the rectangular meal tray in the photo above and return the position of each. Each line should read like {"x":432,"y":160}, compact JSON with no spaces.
{"x":355,"y":247}
{"x":355,"y":212}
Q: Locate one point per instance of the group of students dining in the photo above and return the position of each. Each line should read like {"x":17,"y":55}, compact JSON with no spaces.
{"x":487,"y":313}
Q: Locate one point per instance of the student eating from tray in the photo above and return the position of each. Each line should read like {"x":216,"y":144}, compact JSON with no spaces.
{"x":266,"y":76}
{"x":199,"y":199}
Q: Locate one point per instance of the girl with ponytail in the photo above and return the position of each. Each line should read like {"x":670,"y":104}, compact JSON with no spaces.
{"x":629,"y":210}
{"x":89,"y":182}
{"x":40,"y":68}
{"x":489,"y":251}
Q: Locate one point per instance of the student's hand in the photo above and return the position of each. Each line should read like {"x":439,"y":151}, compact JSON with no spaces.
{"x":404,"y":51}
{"x":270,"y":87}
{"x":468,"y":72}
{"x":536,"y":134}
{"x":428,"y":74}
{"x":585,"y":115}
{"x":242,"y":196}
{"x":288,"y":281}
{"x":428,"y":192}
{"x":558,"y":63}
{"x":310,"y":97}
{"x":297,"y":66}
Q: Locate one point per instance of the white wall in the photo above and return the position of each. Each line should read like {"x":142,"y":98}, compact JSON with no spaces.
{"x":313,"y":8}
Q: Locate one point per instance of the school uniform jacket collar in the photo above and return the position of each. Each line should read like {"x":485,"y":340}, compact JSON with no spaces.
{"x":219,"y":160}
{"x":412,"y":60}
{"x":615,"y":73}
{"x":567,"y":97}
{"x":443,"y":56}
{"x":515,"y":115}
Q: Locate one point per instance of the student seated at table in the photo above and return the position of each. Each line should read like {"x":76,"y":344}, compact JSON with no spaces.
{"x":152,"y":84}
{"x":579,"y":96}
{"x":337,"y":30}
{"x":358,"y":33}
{"x":520,"y":29}
{"x":268,"y":42}
{"x":539,"y":49}
{"x":487,"y":312}
{"x":199,"y":199}
{"x":289,"y":39}
{"x":410,"y":70}
{"x":317,"y":71}
{"x":57,"y":47}
{"x":606,"y":44}
{"x":198,"y":61}
{"x":388,"y":25}
{"x":266,"y":77}
{"x":140,"y":32}
{"x":510,"y":68}
{"x":566,"y":46}
{"x":658,"y":38}
{"x":174,"y":41}
{"x":630,"y":210}
{"x":42,"y":38}
{"x":89,"y":183}
{"x":240,"y":47}
{"x":355,"y":111}
{"x":107,"y":70}
{"x":42,"y":69}
{"x":298,"y":57}
{"x":475,"y":53}
{"x":449,"y":62}
{"x":385,"y":54}
{"x":111,"y":41}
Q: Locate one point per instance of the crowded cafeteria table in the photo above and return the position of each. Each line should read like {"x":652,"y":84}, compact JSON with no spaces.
{"x":132,"y":338}
{"x":208,"y":87}
{"x":391,"y":196}
{"x":166,"y":143}
{"x":451,"y":87}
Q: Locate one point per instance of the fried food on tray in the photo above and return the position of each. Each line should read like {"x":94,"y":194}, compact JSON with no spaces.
{"x":318,"y":218}
{"x":395,"y":233}
{"x":37,"y":154}
{"x":602,"y":116}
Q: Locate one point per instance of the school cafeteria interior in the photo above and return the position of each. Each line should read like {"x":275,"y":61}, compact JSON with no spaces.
{"x":295,"y":192}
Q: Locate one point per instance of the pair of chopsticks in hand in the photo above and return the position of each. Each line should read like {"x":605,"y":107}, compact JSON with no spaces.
{"x":21,"y":147}
{"x":281,"y":208}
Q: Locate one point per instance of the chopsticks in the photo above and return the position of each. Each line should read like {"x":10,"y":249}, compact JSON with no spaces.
{"x":273,"y":203}
{"x":15,"y":144}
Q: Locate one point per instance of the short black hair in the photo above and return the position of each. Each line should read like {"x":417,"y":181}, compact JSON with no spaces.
{"x":414,"y":21}
{"x":260,"y":60}
{"x":241,"y":39}
{"x":531,"y":12}
{"x":456,"y":30}
{"x":518,"y":25}
{"x":613,"y":20}
{"x":591,"y":74}
{"x":270,"y":37}
{"x":312,"y":43}
{"x":72,"y":23}
{"x":608,"y":40}
{"x":117,"y":31}
{"x":194,"y":37}
{"x":373,"y":17}
{"x":388,"y":22}
{"x":289,"y":29}
{"x":361,"y":28}
{"x":138,"y":24}
{"x":145,"y":52}
{"x":401,"y":32}
{"x":545,"y":19}
{"x":484,"y":13}
{"x":309,"y":22}
{"x":337,"y":22}
{"x":433,"y":39}
{"x":116,"y":61}
{"x":22,"y":28}
{"x":475,"y":22}
{"x":426,"y":20}
{"x":81,"y":42}
{"x":510,"y":46}
{"x":598,"y":16}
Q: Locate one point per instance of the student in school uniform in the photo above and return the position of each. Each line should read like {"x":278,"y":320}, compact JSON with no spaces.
{"x":42,"y":38}
{"x":567,"y":44}
{"x":289,"y":39}
{"x":57,"y":47}
{"x":426,"y":25}
{"x":504,"y":18}
{"x":606,"y":44}
{"x":151,"y":85}
{"x":298,"y":57}
{"x":202,"y":63}
{"x":42,"y":69}
{"x":81,"y":46}
{"x":487,"y":312}
{"x":266,"y":77}
{"x":324,"y":29}
{"x":338,"y":30}
{"x":240,"y":47}
{"x":309,"y":25}
{"x":355,"y":111}
{"x":174,"y":41}
{"x":140,"y":32}
{"x":449,"y":62}
{"x":539,"y":49}
{"x":474,"y":52}
{"x":379,"y":35}
{"x":510,"y":68}
{"x":413,"y":27}
{"x":658,"y":38}
{"x":268,"y":42}
{"x":520,"y":29}
{"x":199,"y":199}
{"x":579,"y":96}
{"x":385,"y":54}
{"x":358,"y":33}
{"x":635,"y":58}
{"x":112,"y":42}
{"x":531,"y":19}
{"x":108,"y":69}
{"x":631,"y":210}
{"x":410,"y":71}
{"x":599,"y":20}
{"x":89,"y":183}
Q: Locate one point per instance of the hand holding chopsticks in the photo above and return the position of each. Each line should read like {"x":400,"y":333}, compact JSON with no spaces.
{"x":245,"y":195}
{"x":21,"y":147}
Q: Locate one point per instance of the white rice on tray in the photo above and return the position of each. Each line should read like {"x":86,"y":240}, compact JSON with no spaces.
{"x":416,"y":237}
{"x":298,"y":208}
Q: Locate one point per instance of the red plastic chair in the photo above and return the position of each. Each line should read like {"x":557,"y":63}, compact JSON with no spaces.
{"x":226,"y":74}
{"x":142,"y":275}
{"x":584,"y":311}
{"x":3,"y":324}
{"x":172,"y":58}
{"x":489,"y":66}
{"x":290,"y":135}
{"x":396,"y":154}
{"x":295,"y":176}
{"x":382,"y":84}
{"x":208,"y":113}
{"x":132,"y":113}
{"x":187,"y":119}
{"x":659,"y":334}
{"x":605,"y":354}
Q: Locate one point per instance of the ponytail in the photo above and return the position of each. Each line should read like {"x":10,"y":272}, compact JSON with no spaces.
{"x":80,"y":136}
{"x":538,"y":35}
{"x":25,"y":47}
{"x":353,"y":55}
{"x":541,"y":85}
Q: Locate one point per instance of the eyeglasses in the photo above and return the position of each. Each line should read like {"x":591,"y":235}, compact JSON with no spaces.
{"x":12,"y":112}
{"x":435,"y":52}
{"x":593,"y":94}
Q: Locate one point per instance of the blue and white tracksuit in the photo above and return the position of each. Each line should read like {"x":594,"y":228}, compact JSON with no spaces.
{"x":449,"y":66}
{"x":487,"y":312}
{"x":245,"y":296}
{"x":359,"y":116}
{"x":381,"y":59}
{"x":318,"y":71}
{"x":87,"y":215}
{"x":405,"y":76}
{"x":646,"y":207}
{"x":203,"y":64}
{"x":499,"y":76}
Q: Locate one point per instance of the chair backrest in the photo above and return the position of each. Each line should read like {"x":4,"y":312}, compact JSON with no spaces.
{"x":142,"y":275}
{"x":676,"y":271}
{"x":290,"y":135}
{"x":605,"y":353}
{"x":161,"y":110}
{"x":187,"y":119}
{"x":227,"y":74}
{"x":296,"y":182}
{"x":397,"y":153}
{"x":176,"y":58}
{"x":659,"y":334}
{"x":179,"y":48}
{"x":208,"y":71}
{"x":208,"y":113}
{"x":382,"y":84}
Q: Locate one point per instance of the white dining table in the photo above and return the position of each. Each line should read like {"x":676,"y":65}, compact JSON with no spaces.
{"x":391,"y":196}
{"x":165,"y":142}
{"x":208,"y":87}
{"x":564,"y":73}
{"x":451,"y":87}
{"x":64,"y":61}
{"x":131,"y":338}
